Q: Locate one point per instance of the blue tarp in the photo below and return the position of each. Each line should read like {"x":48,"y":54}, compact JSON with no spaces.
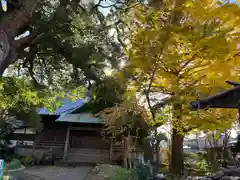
{"x":67,"y":107}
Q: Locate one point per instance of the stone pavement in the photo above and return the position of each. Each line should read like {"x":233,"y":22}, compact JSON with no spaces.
{"x":52,"y":173}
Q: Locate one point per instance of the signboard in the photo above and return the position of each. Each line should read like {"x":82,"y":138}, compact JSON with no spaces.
{"x":1,"y":168}
{"x":4,"y":46}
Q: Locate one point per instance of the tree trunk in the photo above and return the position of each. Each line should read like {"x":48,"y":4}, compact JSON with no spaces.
{"x":11,"y":24}
{"x":126,"y":151}
{"x":157,"y":151}
{"x":238,"y":115}
{"x":177,"y":160}
{"x":226,"y":154}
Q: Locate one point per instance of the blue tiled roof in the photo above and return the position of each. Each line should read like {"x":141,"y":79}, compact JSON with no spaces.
{"x":80,"y":118}
{"x":67,"y":107}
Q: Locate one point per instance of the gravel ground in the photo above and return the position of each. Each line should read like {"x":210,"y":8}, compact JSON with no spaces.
{"x":52,"y":173}
{"x":101,"y":172}
{"x":24,"y":176}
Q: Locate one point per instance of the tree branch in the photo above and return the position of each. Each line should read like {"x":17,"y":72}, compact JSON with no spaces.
{"x":75,"y":4}
{"x":186,"y":130}
{"x":119,"y":38}
{"x":85,"y":67}
{"x":187,"y":62}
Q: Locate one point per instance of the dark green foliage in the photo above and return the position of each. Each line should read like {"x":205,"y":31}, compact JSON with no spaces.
{"x":123,"y":174}
{"x":71,"y":49}
{"x":139,"y":172}
{"x":104,"y":94}
{"x":6,"y":128}
{"x":14,"y":164}
{"x":197,"y":163}
{"x":143,"y":171}
{"x":27,"y":160}
{"x":74,"y":47}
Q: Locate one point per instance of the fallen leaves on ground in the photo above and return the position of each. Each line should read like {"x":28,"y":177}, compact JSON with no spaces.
{"x":101,"y":172}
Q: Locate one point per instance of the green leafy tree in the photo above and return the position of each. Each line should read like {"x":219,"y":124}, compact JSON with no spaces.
{"x":56,"y":46}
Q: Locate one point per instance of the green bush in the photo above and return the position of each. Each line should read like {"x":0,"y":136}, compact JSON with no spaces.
{"x":27,"y":160}
{"x":143,"y":172}
{"x":123,"y":174}
{"x":197,"y":164}
{"x":14,"y":164}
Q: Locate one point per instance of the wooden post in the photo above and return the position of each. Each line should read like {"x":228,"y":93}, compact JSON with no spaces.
{"x":111,"y":150}
{"x":239,"y":115}
{"x":53,"y":135}
{"x":34,"y":145}
{"x":66,"y":144}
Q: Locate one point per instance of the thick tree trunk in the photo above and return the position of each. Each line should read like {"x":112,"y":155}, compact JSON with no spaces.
{"x":226,"y":154}
{"x":177,"y":161}
{"x":11,"y":23}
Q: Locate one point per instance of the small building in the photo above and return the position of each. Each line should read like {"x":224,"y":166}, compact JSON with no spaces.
{"x":71,"y":134}
{"x":226,"y":99}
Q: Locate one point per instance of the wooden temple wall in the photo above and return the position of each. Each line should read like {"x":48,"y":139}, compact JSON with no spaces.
{"x":66,"y":141}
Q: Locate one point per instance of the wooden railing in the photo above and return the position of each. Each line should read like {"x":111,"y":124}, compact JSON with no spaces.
{"x":120,"y":148}
{"x":24,"y":146}
{"x":42,"y":144}
{"x":49,"y":144}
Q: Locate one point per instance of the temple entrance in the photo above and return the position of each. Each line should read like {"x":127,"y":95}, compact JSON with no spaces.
{"x":87,"y":140}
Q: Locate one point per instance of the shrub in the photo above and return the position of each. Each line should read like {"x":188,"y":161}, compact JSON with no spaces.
{"x":123,"y":174}
{"x":143,"y":171}
{"x":196,"y":163}
{"x":27,"y":160}
{"x":14,"y":164}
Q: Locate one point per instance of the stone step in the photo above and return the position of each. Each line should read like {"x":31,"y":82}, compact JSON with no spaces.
{"x":76,"y":155}
{"x":90,"y":151}
{"x":86,"y":158}
{"x":73,"y":163}
{"x":88,"y":155}
{"x":93,"y":158}
{"x":85,"y":154}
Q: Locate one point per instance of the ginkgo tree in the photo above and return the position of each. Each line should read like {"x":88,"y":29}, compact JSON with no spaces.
{"x":185,"y":49}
